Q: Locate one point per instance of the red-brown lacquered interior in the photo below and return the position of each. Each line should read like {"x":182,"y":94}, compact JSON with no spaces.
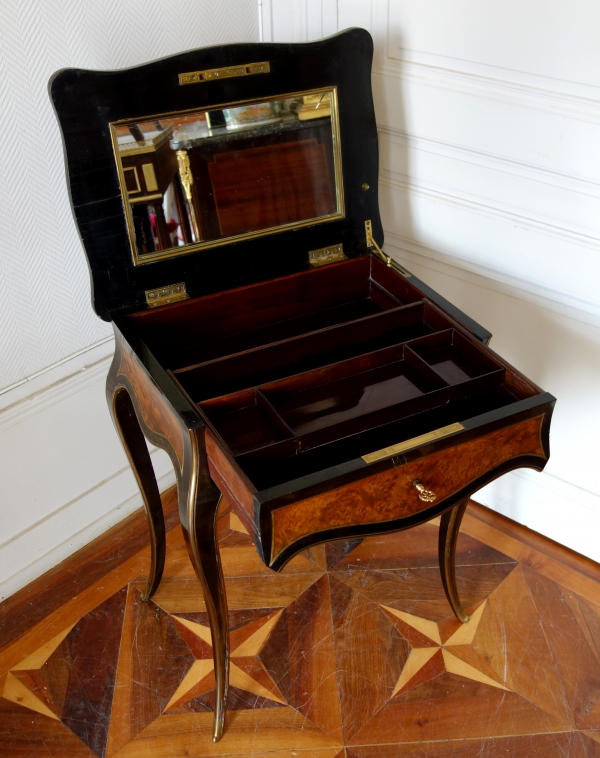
{"x":322,"y":359}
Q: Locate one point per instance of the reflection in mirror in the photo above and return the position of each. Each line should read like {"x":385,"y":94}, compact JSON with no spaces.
{"x":204,"y":178}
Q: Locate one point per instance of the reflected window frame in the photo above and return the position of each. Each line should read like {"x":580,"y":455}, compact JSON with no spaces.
{"x":173,"y":252}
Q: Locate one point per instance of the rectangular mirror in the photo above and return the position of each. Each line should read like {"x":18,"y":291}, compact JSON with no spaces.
{"x":200,"y":179}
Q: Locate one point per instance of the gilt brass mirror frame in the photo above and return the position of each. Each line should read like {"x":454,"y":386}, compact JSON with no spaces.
{"x":193,"y":247}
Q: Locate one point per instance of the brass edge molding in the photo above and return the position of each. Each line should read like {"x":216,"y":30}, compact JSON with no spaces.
{"x":145,"y":199}
{"x":337,"y":151}
{"x":137,"y":180}
{"x":175,"y":252}
{"x":422,"y":439}
{"x":129,"y":386}
{"x":366,"y":524}
{"x":227,"y":72}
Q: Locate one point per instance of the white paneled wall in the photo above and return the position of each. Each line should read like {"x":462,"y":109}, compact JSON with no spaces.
{"x":489,"y":125}
{"x":64,"y":478}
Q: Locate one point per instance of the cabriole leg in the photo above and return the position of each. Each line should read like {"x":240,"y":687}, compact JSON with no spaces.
{"x":135,"y":446}
{"x":202,"y":506}
{"x":449,"y":528}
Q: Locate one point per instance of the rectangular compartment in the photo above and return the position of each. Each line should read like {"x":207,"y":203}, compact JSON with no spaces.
{"x":213,"y":326}
{"x":245,"y":421}
{"x":276,"y":464}
{"x":316,"y":407}
{"x":310,"y":351}
{"x":320,"y":401}
{"x":454,"y":357}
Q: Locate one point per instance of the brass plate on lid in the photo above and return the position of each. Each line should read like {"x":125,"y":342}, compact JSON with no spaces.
{"x":402,"y":447}
{"x":228,"y":72}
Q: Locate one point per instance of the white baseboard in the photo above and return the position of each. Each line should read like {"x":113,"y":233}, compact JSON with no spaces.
{"x":64,"y":476}
{"x":76,"y":522}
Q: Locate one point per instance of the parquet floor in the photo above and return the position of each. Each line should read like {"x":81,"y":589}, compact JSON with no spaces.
{"x":350,"y":651}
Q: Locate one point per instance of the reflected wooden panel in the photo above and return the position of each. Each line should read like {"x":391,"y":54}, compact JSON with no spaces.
{"x":264,"y":187}
{"x":194,"y":179}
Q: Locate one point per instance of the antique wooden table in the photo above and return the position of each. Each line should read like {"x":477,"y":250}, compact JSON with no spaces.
{"x":294,"y":368}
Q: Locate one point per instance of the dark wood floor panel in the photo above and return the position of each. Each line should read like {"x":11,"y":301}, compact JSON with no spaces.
{"x":350,"y":652}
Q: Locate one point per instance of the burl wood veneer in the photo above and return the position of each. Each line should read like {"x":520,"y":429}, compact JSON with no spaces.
{"x":391,"y":495}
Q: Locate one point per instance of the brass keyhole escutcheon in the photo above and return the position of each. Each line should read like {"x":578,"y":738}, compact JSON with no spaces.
{"x":427,"y":496}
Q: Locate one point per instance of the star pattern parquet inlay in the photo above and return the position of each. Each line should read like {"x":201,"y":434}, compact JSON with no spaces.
{"x":350,"y":652}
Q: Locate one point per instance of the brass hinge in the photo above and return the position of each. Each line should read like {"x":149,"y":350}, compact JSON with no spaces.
{"x":380,"y":254}
{"x":402,"y":447}
{"x":325,"y":255}
{"x":165,"y":295}
{"x":210,"y":74}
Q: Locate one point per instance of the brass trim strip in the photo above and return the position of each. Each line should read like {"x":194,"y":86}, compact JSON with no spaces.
{"x":390,"y":262}
{"x":145,"y":199}
{"x":228,"y":72}
{"x":402,"y":447}
{"x":137,"y":180}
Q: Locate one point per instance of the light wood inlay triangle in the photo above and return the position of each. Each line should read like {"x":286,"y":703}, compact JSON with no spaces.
{"x":17,"y":692}
{"x":198,"y":629}
{"x":252,"y":646}
{"x":197,"y":672}
{"x":426,"y":627}
{"x":241,"y":680}
{"x":417,"y":658}
{"x":455,"y":666}
{"x":37,"y":659}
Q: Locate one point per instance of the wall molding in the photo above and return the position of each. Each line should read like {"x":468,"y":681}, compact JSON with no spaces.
{"x":297,"y":20}
{"x":29,"y":412}
{"x":304,"y":20}
{"x":541,"y":501}
{"x":409,"y":186}
{"x":548,"y":100}
{"x":55,"y":384}
{"x":523,"y":89}
{"x":74,"y":521}
{"x":493,"y":161}
{"x":412,"y":251}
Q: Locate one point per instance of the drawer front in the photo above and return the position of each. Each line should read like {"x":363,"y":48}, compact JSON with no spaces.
{"x":390,"y":495}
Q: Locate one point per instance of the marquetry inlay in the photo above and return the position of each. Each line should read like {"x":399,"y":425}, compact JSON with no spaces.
{"x":352,"y":646}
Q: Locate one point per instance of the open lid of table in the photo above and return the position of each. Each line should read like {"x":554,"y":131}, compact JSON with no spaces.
{"x":96,"y":108}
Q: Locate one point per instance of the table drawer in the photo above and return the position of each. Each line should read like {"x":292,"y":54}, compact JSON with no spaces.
{"x":391,"y":495}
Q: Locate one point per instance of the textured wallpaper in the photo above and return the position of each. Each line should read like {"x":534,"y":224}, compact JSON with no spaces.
{"x":45,"y":312}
